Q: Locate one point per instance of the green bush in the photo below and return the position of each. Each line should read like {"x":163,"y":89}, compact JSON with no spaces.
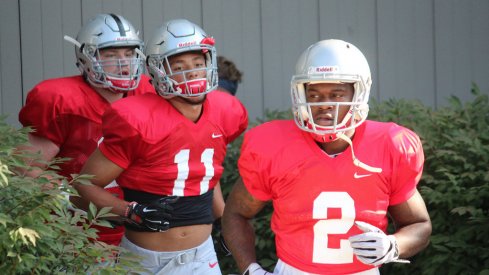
{"x":37,"y":233}
{"x":455,"y":185}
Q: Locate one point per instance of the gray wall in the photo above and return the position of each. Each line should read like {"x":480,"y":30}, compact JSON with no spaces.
{"x":417,"y":49}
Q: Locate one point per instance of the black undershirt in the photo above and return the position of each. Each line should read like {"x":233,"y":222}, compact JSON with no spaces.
{"x":191,"y":210}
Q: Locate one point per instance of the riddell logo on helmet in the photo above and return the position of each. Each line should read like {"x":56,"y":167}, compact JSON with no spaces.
{"x":323,"y":69}
{"x":186,"y":44}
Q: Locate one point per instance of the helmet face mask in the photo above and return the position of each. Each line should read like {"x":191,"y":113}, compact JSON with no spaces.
{"x":331,"y":61}
{"x":174,"y":40}
{"x":119,"y":71}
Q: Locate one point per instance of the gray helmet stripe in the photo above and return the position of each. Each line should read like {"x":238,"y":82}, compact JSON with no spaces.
{"x":119,"y":24}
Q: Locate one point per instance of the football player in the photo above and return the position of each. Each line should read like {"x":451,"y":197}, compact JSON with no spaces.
{"x":332,"y":176}
{"x":229,"y":75}
{"x":66,"y":113}
{"x":166,"y":151}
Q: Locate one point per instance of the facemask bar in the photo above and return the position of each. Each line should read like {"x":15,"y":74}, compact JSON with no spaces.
{"x":305,"y":120}
{"x":122,"y":80}
{"x":302,"y":109}
{"x":187,"y":88}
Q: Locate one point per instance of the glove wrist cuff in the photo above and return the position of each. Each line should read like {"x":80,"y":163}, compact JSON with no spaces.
{"x":395,"y":247}
{"x":252,"y":267}
{"x":129,"y":209}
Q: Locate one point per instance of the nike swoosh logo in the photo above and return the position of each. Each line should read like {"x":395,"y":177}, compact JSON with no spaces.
{"x":357,"y":176}
{"x":148,"y":210}
{"x":212,"y":265}
{"x":216,"y":135}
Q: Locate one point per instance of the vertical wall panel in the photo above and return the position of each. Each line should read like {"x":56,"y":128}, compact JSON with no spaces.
{"x":155,"y":12}
{"x":352,"y":21}
{"x":71,"y":20}
{"x":420,"y":49}
{"x":52,"y":39}
{"x":283,"y":41}
{"x":405,"y":50}
{"x":235,"y":25}
{"x":480,"y":43}
{"x":453,"y":39}
{"x":153,"y":17}
{"x":273,"y":82}
{"x":10,"y":61}
{"x":31,"y":43}
{"x":251,"y":90}
{"x":299,"y":29}
{"x":89,"y":8}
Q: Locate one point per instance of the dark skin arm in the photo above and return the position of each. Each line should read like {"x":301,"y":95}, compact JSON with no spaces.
{"x":237,"y":230}
{"x":413,"y":225}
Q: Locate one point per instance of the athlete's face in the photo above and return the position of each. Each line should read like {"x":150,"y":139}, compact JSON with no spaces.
{"x":188,"y":61}
{"x":329,"y":92}
{"x":186,"y":67}
{"x":116,"y":60}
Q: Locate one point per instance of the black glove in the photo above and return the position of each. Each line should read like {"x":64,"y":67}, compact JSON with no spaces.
{"x":216,"y":227}
{"x":154,"y":216}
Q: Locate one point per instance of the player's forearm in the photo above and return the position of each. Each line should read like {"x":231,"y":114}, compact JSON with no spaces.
{"x":413,"y":238}
{"x":240,"y":238}
{"x":100,"y":197}
{"x":37,"y":153}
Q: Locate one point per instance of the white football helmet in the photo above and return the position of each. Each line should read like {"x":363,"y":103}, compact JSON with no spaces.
{"x":176,"y":37}
{"x":331,"y":61}
{"x":108,"y":31}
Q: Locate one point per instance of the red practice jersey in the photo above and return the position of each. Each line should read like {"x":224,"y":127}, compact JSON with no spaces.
{"x":163,"y":152}
{"x":68,"y":112}
{"x":317,"y":198}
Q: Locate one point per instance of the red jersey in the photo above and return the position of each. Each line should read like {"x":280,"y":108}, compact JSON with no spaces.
{"x":68,"y":112}
{"x":163,"y":152}
{"x":317,"y":198}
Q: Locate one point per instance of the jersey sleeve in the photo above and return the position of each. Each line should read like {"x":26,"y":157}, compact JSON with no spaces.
{"x":120,"y":144}
{"x":408,"y":161}
{"x":254,"y":168}
{"x":43,"y":112}
{"x":241,"y":120}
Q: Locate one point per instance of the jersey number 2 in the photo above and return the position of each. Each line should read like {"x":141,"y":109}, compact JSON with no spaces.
{"x":182,"y":159}
{"x":324,"y":227}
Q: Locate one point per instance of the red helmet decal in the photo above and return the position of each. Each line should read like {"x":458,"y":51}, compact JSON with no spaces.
{"x":207,"y":41}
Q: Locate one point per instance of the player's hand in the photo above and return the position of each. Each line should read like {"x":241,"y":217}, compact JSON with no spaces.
{"x":256,"y":269}
{"x":154,"y":216}
{"x":374,"y":247}
{"x":216,"y":227}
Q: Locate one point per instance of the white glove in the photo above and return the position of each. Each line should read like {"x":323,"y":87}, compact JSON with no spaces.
{"x":374,"y":247}
{"x":256,"y":269}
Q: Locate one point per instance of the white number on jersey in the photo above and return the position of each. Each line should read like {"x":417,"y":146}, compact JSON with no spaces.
{"x":324,"y":227}
{"x":182,"y":159}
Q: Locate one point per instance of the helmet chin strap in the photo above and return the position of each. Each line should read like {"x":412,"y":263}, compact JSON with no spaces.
{"x":356,"y":161}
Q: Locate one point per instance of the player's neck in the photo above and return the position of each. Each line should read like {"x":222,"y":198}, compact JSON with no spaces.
{"x":191,"y":111}
{"x":336,"y":147}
